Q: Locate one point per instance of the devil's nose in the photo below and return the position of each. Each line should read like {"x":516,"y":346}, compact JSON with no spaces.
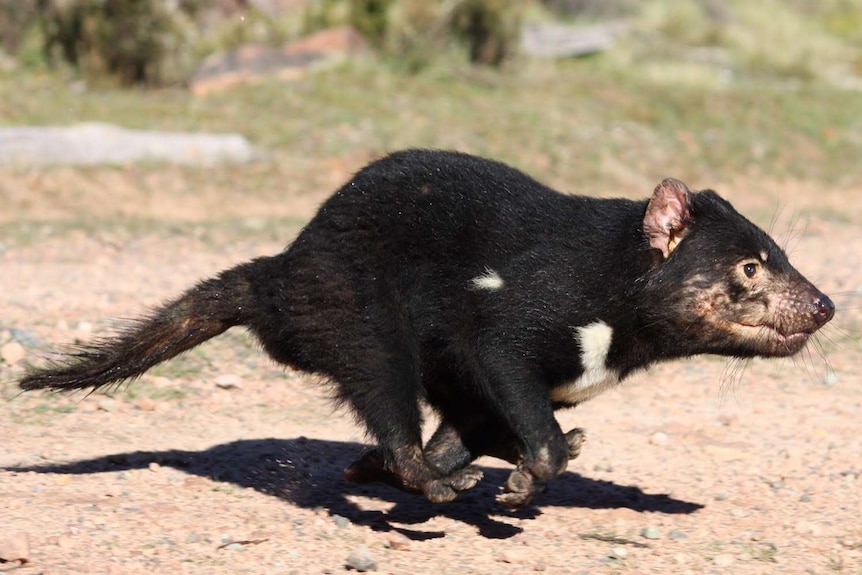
{"x":824,"y":309}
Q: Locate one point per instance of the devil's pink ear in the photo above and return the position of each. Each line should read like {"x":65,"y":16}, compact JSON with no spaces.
{"x":667,"y":215}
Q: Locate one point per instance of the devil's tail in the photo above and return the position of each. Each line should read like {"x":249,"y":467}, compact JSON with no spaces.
{"x":203,"y":312}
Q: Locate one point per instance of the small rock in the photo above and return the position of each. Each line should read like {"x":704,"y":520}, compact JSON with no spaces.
{"x":727,"y":419}
{"x":12,"y":352}
{"x":145,"y":404}
{"x":398,"y":542}
{"x":724,"y":560}
{"x":831,"y":378}
{"x":107,"y":404}
{"x":651,"y":532}
{"x":513,"y":556}
{"x":25,"y":337}
{"x":234,"y":547}
{"x":677,"y":534}
{"x":84,"y":327}
{"x":228,"y":381}
{"x":154,"y":467}
{"x":95,"y":143}
{"x":722,"y":496}
{"x":14,"y":547}
{"x":619,"y":553}
{"x":341,"y":521}
{"x":252,"y":63}
{"x":805,"y":498}
{"x":658,"y":438}
{"x":361,"y":560}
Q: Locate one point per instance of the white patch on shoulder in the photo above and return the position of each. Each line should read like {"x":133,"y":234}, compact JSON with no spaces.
{"x":490,"y":280}
{"x":595,"y":342}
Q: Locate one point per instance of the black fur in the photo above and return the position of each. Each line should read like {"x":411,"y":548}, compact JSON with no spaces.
{"x":379,"y":293}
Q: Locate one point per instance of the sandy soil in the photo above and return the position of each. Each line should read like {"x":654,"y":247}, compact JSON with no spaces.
{"x":221,"y":462}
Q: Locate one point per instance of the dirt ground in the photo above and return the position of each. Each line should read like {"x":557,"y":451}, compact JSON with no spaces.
{"x":221,"y":462}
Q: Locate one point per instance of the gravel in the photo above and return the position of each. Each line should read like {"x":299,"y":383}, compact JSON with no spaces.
{"x":232,"y":462}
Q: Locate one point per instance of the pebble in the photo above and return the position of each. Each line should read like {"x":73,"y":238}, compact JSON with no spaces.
{"x":234,"y":547}
{"x":14,"y":547}
{"x":513,"y":556}
{"x":341,"y":521}
{"x":145,"y":404}
{"x":831,"y":378}
{"x":361,"y":559}
{"x":677,"y":535}
{"x":658,"y":438}
{"x":12,"y":352}
{"x":398,"y":542}
{"x":25,"y":337}
{"x":619,"y":553}
{"x":228,"y":381}
{"x":651,"y":532}
{"x":107,"y":404}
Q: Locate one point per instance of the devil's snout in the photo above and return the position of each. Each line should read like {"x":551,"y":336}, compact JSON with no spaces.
{"x":824,"y":309}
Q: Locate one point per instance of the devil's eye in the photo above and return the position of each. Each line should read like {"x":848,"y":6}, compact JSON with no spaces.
{"x":750,"y":270}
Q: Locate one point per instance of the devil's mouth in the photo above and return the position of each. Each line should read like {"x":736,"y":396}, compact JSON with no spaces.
{"x":774,"y":341}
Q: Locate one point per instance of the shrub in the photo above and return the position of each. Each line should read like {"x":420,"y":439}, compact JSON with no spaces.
{"x":415,"y":32}
{"x":490,"y":28}
{"x":131,"y":41}
{"x":371,"y":19}
{"x":16,"y":18}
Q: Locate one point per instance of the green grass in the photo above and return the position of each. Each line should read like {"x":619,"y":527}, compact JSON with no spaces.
{"x":582,"y":124}
{"x":215,"y":232}
{"x":613,"y":124}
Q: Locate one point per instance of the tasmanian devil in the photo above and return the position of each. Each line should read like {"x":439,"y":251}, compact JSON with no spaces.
{"x":461,"y":283}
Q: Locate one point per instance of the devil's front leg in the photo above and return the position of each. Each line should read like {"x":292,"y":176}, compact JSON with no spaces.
{"x":518,"y":397}
{"x":454,"y":446}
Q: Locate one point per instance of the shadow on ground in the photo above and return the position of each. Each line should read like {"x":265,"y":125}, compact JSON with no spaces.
{"x":308,"y":473}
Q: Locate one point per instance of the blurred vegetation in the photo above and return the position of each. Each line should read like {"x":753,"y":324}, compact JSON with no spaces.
{"x":159,"y":42}
{"x":705,"y":90}
{"x":414,"y":33}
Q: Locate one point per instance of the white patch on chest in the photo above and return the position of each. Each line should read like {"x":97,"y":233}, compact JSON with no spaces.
{"x":595,"y":342}
{"x":490,"y":280}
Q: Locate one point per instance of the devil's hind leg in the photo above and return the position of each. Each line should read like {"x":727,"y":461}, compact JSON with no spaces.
{"x":377,"y":374}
